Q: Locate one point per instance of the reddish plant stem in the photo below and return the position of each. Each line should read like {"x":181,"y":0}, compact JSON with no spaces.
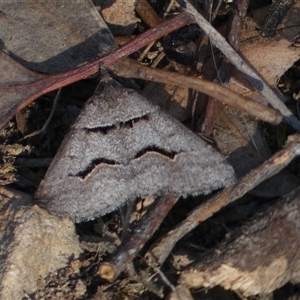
{"x":56,"y":81}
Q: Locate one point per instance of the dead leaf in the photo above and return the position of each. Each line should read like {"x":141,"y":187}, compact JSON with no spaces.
{"x":120,"y":16}
{"x":270,"y":57}
{"x":24,"y":94}
{"x":12,"y":96}
{"x":61,"y":41}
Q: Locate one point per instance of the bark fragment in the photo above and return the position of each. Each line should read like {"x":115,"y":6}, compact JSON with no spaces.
{"x":258,"y":258}
{"x":275,"y":15}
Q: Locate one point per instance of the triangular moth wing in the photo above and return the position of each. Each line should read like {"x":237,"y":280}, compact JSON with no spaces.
{"x":122,"y":147}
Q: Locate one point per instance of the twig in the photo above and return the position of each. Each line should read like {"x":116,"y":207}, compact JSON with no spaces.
{"x":129,"y":68}
{"x":149,"y":16}
{"x":272,"y":166}
{"x":165,"y":279}
{"x":218,"y":40}
{"x":200,"y":55}
{"x":171,"y":3}
{"x":144,"y":279}
{"x":235,"y":25}
{"x":142,"y":233}
{"x":276,"y":13}
{"x":45,"y":84}
{"x":146,"y":12}
{"x":48,"y":120}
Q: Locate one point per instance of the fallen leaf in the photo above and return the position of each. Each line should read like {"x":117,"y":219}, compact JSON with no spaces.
{"x":270,"y":57}
{"x":175,"y":100}
{"x":119,"y":15}
{"x":61,"y":41}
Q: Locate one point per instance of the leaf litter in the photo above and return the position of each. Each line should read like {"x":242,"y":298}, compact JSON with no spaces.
{"x":116,"y":222}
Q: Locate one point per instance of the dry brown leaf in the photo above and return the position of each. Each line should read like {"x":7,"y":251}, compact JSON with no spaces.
{"x":60,"y":43}
{"x":246,"y":148}
{"x":119,"y":15}
{"x":244,"y":144}
{"x":270,"y":57}
{"x":53,"y":36}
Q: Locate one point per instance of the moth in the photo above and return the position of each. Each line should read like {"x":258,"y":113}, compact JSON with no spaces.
{"x":122,"y":147}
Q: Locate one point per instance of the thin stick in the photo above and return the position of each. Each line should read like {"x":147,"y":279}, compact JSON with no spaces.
{"x":142,"y":233}
{"x":218,"y":40}
{"x":235,"y":25}
{"x":275,"y":15}
{"x":129,"y":68}
{"x":272,"y":166}
{"x":39,"y":131}
{"x":49,"y":83}
{"x":147,"y":13}
{"x":150,"y":17}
